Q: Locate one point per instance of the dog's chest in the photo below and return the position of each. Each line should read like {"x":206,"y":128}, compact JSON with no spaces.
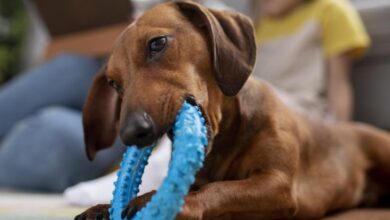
{"x":225,"y":165}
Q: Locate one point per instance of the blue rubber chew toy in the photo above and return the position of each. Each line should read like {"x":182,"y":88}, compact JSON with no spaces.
{"x":190,"y":140}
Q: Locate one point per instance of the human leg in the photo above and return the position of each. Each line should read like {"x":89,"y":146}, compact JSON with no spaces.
{"x":46,"y":152}
{"x":63,"y":81}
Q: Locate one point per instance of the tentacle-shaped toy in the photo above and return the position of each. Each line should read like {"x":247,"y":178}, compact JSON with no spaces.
{"x":190,"y":140}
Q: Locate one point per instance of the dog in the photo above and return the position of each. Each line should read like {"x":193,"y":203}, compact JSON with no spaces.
{"x":265,"y":160}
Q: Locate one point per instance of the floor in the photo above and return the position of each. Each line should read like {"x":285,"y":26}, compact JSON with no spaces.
{"x":33,"y":206}
{"x":362,"y":214}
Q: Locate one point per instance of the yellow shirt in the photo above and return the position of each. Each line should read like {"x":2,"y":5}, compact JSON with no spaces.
{"x":293,"y":49}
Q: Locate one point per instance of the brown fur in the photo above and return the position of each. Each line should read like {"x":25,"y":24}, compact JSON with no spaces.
{"x":265,"y":160}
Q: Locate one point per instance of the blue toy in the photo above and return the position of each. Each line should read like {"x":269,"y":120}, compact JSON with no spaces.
{"x":190,"y":140}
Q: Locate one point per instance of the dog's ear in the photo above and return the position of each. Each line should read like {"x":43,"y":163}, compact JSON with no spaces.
{"x":231,"y":40}
{"x":100,"y":115}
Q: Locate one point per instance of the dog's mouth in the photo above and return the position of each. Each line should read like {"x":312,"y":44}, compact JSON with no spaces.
{"x":191,"y":100}
{"x":170,"y":134}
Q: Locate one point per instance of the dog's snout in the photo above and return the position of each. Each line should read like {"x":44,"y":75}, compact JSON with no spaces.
{"x":138,"y":129}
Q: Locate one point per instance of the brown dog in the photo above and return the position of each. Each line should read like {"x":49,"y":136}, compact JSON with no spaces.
{"x":265,"y":160}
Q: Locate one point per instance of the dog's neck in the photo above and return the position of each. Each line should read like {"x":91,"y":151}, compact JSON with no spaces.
{"x":233,"y":116}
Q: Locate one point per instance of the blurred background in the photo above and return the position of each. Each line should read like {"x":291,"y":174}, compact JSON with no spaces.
{"x":32,"y":32}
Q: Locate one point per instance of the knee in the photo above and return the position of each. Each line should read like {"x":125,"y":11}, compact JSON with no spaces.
{"x":50,"y":137}
{"x":54,"y":112}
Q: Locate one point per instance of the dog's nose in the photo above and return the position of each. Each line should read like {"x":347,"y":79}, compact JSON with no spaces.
{"x":138,"y":129}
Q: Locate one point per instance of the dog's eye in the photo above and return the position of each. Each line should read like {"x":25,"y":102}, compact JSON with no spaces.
{"x":115,"y":85}
{"x":157,"y":44}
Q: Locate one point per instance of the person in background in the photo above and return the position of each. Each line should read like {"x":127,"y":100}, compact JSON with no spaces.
{"x":306,"y":50}
{"x":41,"y":135}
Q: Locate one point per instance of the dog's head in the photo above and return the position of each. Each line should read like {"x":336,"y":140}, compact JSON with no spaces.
{"x":175,"y":51}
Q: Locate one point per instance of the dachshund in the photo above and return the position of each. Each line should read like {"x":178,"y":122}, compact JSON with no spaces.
{"x":265,"y":159}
